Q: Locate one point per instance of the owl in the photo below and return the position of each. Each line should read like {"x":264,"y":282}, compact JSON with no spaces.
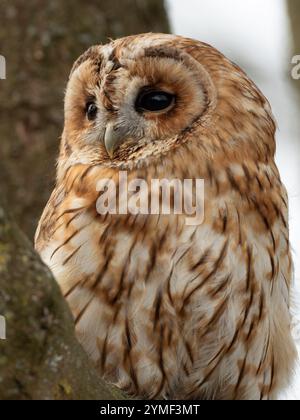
{"x":168,"y":309}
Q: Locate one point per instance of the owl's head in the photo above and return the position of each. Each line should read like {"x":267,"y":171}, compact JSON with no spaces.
{"x":139,"y":96}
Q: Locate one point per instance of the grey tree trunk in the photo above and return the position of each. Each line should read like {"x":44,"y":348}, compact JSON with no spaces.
{"x":40,"y":41}
{"x":294,"y":12}
{"x":40,"y":358}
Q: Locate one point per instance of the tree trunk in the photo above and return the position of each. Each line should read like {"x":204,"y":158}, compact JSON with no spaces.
{"x":40,"y":41}
{"x":294,"y":12}
{"x":40,"y":358}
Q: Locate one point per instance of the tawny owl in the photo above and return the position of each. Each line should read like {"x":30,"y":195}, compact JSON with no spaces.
{"x":166,"y":308}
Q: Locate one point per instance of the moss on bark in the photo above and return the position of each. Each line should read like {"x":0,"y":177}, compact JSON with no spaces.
{"x":40,"y":359}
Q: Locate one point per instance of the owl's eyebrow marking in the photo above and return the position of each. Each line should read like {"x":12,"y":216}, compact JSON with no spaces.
{"x":166,"y":52}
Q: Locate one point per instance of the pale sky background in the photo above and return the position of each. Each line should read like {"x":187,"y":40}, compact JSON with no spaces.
{"x":256,"y":35}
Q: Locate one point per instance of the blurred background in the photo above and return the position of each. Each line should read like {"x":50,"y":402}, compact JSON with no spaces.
{"x":40,"y":41}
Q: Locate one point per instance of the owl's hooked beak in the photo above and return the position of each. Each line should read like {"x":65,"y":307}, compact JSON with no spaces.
{"x":112,"y":139}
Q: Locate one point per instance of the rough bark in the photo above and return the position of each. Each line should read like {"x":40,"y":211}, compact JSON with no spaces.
{"x":40,"y":359}
{"x":40,"y":41}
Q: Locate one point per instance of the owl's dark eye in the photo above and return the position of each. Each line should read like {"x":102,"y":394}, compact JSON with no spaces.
{"x":91,"y":110}
{"x":154,"y":101}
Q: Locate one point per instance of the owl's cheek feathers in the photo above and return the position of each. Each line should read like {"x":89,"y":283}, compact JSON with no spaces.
{"x":144,"y":94}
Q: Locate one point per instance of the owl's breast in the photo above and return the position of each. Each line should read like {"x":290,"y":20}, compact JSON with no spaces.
{"x":131,"y":283}
{"x":159,"y":304}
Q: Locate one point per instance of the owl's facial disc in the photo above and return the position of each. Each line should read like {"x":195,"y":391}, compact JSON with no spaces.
{"x":122,"y":103}
{"x":149,"y":100}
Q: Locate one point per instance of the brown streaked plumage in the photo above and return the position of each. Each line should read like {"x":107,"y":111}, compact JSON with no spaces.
{"x":167,"y":310}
